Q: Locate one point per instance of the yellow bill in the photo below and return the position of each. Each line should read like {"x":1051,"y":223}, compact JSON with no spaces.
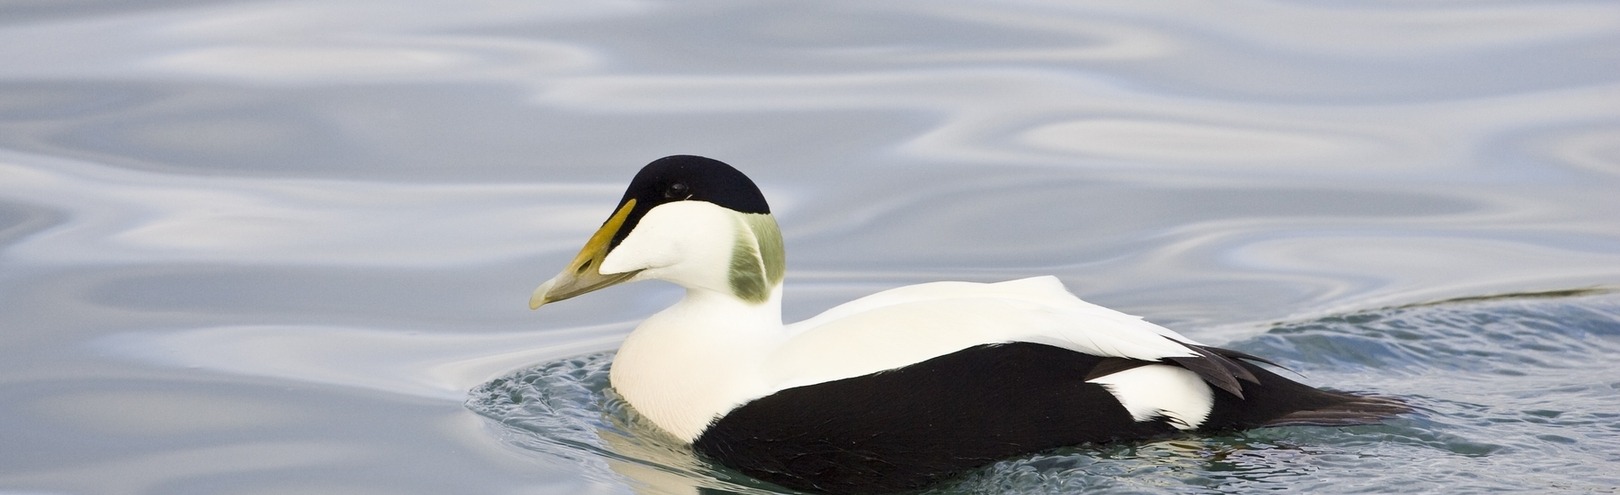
{"x":584,"y":273}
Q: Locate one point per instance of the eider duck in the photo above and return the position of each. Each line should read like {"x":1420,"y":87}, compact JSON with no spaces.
{"x":900,"y":389}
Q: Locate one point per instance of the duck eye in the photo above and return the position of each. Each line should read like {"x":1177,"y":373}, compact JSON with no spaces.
{"x":678,"y":191}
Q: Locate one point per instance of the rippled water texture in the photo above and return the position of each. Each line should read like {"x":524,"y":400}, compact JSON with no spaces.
{"x":1511,"y":392}
{"x":269,"y":247}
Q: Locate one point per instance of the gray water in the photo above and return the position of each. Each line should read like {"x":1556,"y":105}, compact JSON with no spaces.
{"x":284,"y":247}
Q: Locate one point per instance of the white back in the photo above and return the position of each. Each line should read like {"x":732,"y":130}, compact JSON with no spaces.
{"x":911,"y":324}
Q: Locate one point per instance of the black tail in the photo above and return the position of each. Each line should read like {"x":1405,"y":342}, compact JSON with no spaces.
{"x":1353,"y":409}
{"x":1276,"y":401}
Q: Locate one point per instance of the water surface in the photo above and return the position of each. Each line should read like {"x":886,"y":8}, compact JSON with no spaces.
{"x":271,"y":247}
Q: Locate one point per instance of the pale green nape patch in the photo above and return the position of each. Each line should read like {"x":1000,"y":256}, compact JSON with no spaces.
{"x":757,"y":260}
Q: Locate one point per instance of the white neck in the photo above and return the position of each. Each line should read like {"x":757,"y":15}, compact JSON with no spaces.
{"x":693,"y":361}
{"x":700,"y":358}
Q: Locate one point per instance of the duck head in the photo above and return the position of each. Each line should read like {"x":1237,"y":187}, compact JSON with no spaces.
{"x":693,"y":221}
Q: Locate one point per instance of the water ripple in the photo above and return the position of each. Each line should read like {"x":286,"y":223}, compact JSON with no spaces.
{"x":1450,"y":359}
{"x":1223,"y":145}
{"x":121,"y":214}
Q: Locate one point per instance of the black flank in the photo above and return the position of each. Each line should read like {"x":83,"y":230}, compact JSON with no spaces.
{"x":910,"y":427}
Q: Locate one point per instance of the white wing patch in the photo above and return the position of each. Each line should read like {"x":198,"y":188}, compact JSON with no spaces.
{"x":1159,"y":390}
